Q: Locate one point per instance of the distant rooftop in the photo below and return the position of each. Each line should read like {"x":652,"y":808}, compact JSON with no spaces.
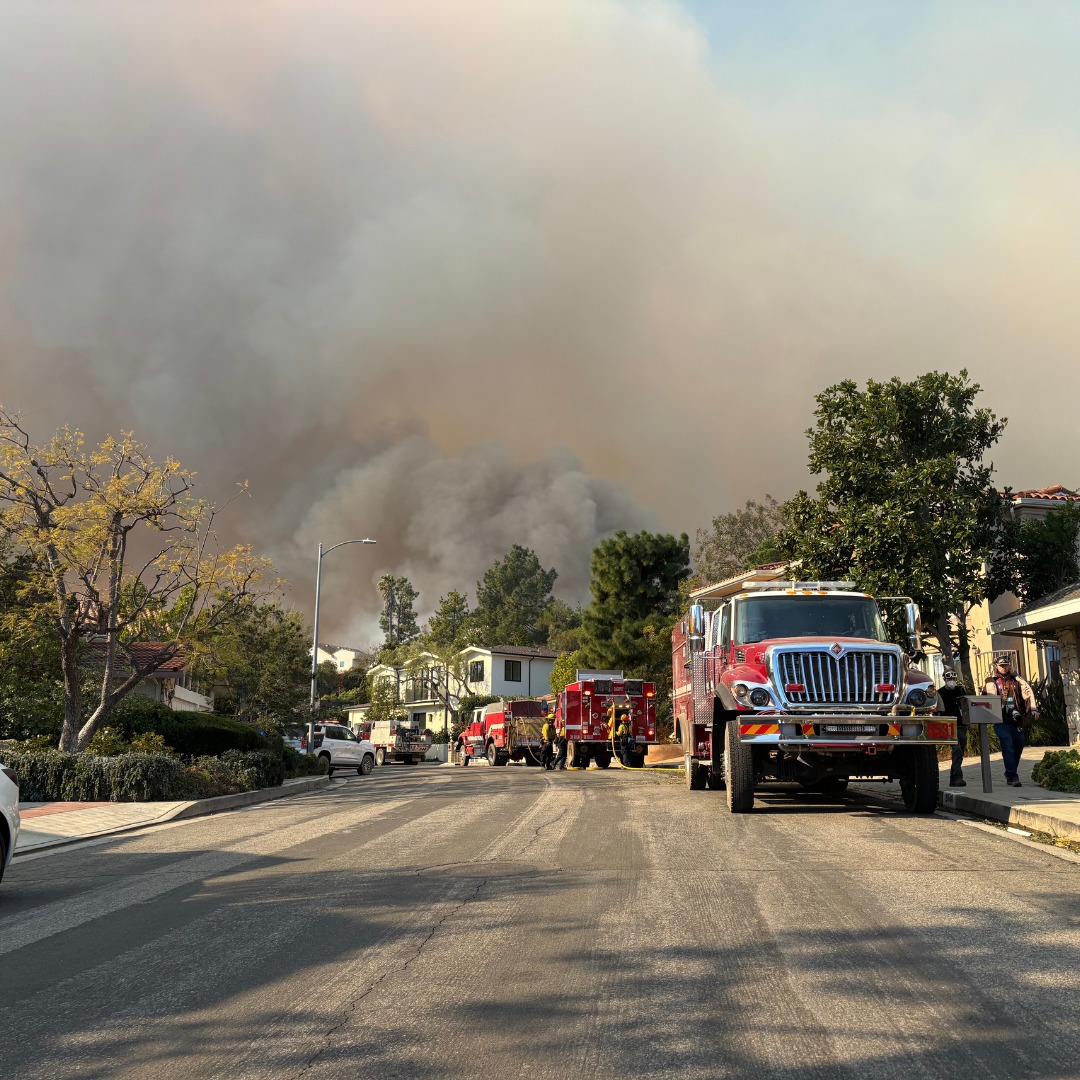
{"x":1053,"y":493}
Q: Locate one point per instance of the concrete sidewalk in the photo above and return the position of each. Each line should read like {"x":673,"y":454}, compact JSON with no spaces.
{"x":46,"y":825}
{"x":1029,"y":807}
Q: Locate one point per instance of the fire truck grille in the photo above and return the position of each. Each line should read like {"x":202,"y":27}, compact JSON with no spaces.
{"x":853,"y":678}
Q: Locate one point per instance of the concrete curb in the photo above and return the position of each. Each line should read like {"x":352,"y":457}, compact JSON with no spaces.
{"x":199,"y":808}
{"x":952,"y":800}
{"x":1025,"y":817}
{"x":215,"y":805}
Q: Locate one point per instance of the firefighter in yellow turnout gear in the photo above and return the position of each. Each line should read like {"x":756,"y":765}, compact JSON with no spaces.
{"x":547,"y":735}
{"x":619,"y":731}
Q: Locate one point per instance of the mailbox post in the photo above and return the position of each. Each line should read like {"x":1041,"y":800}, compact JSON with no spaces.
{"x":983,"y":710}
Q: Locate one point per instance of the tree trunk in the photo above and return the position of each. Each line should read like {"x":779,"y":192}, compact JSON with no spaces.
{"x":944,"y":633}
{"x":69,"y":733}
{"x":966,"y":676}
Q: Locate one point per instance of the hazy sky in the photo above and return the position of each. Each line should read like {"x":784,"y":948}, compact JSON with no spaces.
{"x":458,"y":274}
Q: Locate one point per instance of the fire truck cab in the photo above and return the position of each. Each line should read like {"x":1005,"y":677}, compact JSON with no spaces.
{"x":797,"y":682}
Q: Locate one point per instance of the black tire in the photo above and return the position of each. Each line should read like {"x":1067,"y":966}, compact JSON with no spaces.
{"x":738,"y":771}
{"x":695,"y":775}
{"x":495,"y":756}
{"x":459,"y":754}
{"x":573,"y":756}
{"x":329,"y":764}
{"x":365,"y":766}
{"x":919,"y":785}
{"x":637,"y":759}
{"x":380,"y":756}
{"x":603,"y":759}
{"x":715,"y":780}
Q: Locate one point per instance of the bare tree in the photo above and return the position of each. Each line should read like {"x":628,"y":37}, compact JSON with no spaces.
{"x":126,"y":555}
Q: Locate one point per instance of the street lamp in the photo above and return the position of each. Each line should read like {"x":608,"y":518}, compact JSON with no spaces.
{"x":315,"y":642}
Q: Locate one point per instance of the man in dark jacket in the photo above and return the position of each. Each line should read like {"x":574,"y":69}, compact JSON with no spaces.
{"x":951,"y":695}
{"x":1017,"y":702}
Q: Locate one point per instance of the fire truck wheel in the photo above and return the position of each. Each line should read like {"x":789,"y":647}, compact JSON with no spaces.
{"x":920,"y":784}
{"x":715,"y":780}
{"x":602,"y":760}
{"x":573,"y":755}
{"x":494,"y":757}
{"x":380,"y":756}
{"x":738,"y":771}
{"x":695,"y":775}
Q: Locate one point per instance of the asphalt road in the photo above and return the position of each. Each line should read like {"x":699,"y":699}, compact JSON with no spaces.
{"x":452,"y":923}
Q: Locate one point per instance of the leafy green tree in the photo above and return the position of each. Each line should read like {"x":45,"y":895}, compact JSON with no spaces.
{"x":907,"y":503}
{"x":398,"y":618}
{"x":561,"y":625}
{"x":385,"y":701}
{"x":635,"y":586}
{"x":564,"y":670}
{"x":739,"y":540}
{"x":450,"y":624}
{"x":512,"y":598}
{"x":1038,"y":556}
{"x":115,"y":539}
{"x":258,"y":660}
{"x":31,"y":690}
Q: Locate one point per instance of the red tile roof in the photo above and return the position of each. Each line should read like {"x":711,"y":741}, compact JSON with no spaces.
{"x":1055,"y":492}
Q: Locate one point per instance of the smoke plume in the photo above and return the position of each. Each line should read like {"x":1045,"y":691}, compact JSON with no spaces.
{"x":462,"y":274}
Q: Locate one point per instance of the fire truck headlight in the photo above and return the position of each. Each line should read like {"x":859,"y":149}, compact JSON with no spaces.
{"x":741,"y":692}
{"x":916,"y":697}
{"x":760,"y":697}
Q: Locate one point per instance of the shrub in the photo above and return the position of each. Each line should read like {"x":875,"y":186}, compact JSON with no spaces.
{"x":297,"y":764}
{"x":139,"y":777}
{"x":1059,"y":770}
{"x":1051,"y":729}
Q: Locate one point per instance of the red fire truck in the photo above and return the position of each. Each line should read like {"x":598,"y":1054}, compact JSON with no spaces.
{"x":797,"y":681}
{"x":589,"y":710}
{"x":503,"y":731}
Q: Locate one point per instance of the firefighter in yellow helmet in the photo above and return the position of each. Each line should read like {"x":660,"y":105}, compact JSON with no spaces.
{"x":547,"y":736}
{"x":622,"y":735}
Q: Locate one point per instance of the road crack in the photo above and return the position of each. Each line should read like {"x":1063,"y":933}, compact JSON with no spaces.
{"x":351,"y":1006}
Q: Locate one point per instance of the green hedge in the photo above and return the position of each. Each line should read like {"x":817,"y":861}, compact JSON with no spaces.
{"x":53,"y":775}
{"x":190,"y":734}
{"x":1059,"y":770}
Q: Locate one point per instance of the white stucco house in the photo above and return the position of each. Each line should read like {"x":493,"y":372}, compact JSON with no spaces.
{"x":430,"y":694}
{"x":341,"y":656}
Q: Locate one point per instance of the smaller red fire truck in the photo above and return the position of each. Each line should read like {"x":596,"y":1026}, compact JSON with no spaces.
{"x":589,"y":710}
{"x":503,"y":731}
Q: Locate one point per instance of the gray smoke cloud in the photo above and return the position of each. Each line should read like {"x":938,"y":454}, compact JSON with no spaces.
{"x":445,"y":520}
{"x":388,"y":260}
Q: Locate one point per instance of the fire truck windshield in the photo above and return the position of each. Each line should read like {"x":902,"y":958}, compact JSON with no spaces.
{"x":761,"y":618}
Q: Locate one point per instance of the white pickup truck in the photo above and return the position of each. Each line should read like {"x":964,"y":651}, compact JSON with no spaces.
{"x":342,"y":749}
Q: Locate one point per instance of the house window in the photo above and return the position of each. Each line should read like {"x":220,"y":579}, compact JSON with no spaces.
{"x":513,"y":671}
{"x":341,"y":663}
{"x":476,"y":671}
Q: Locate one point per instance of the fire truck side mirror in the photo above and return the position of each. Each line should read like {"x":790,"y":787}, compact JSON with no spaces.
{"x":914,"y":627}
{"x":696,"y":637}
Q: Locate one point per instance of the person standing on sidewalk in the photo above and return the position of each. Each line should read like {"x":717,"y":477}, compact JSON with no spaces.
{"x":951,"y":695}
{"x":1017,"y":701}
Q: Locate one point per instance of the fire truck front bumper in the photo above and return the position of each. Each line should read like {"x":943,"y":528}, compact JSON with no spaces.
{"x":846,"y":732}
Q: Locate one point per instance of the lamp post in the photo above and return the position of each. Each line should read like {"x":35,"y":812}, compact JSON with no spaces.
{"x":315,"y":642}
